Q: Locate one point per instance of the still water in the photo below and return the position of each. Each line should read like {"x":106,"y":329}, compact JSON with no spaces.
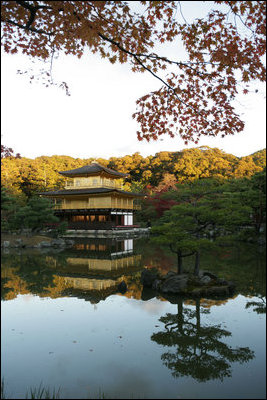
{"x":65,"y":325}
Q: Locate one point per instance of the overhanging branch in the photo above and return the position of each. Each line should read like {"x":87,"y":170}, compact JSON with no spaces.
{"x":34,"y":30}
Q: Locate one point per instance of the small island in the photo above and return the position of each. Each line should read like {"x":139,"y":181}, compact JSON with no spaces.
{"x":205,"y":284}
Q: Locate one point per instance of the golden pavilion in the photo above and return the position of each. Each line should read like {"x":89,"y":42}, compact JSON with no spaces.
{"x":93,"y":199}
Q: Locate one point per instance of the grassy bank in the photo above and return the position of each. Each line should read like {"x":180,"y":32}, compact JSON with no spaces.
{"x":27,"y":240}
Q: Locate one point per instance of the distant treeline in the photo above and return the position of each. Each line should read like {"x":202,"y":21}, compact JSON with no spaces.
{"x":27,"y":176}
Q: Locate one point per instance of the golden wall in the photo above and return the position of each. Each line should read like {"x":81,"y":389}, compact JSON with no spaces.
{"x":93,"y":182}
{"x":106,"y":264}
{"x":95,"y":202}
{"x":89,"y":284}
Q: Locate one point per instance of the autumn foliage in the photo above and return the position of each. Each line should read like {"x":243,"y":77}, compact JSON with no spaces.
{"x":151,"y":174}
{"x":8,"y":152}
{"x":223,"y":54}
{"x":160,"y":204}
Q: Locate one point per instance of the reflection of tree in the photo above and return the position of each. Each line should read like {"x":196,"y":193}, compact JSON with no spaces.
{"x":242,"y":263}
{"x":198,"y":350}
{"x":26,"y":273}
{"x":258,"y":306}
{"x":34,"y":271}
{"x":11,"y":284}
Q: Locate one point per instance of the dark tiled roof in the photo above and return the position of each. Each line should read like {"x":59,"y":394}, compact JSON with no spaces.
{"x":92,"y":169}
{"x":88,"y":191}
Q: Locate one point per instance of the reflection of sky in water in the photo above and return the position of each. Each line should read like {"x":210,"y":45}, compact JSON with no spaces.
{"x":86,"y":348}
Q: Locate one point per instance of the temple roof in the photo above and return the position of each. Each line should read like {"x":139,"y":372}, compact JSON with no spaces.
{"x":93,"y":169}
{"x":88,"y":191}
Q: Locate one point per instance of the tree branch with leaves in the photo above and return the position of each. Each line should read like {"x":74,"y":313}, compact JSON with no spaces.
{"x":224,"y":54}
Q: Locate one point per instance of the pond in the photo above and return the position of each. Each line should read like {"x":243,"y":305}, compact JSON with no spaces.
{"x":66,"y":326}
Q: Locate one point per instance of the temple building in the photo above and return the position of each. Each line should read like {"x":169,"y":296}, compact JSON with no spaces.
{"x":93,"y":199}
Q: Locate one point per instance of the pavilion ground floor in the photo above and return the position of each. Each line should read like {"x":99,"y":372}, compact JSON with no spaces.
{"x":97,"y":219}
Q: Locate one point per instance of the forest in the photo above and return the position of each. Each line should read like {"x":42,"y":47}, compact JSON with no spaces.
{"x":25,"y":177}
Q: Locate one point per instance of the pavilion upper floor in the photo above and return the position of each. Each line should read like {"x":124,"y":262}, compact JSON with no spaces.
{"x":93,"y":182}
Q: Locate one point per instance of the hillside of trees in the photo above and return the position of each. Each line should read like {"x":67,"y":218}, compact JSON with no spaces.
{"x":192,"y":196}
{"x":25,"y":177}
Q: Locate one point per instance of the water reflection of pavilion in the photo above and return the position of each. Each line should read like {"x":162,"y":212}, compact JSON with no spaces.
{"x":94,"y":267}
{"x":104,"y":255}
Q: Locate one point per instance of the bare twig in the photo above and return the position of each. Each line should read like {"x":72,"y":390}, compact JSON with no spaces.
{"x":182,"y":12}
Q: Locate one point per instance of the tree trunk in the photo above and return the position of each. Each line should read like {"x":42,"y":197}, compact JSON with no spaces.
{"x":198,"y":315}
{"x":180,"y":315}
{"x":196,"y":270}
{"x":179,"y":263}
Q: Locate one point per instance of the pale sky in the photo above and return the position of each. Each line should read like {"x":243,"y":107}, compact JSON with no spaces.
{"x":96,"y":120}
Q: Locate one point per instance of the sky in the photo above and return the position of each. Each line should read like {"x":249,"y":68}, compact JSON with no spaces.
{"x":96,"y":120}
